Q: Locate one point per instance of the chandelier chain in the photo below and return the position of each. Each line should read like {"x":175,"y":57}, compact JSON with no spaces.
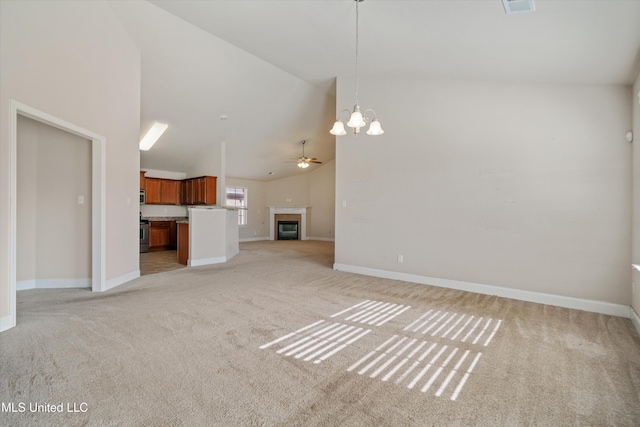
{"x":357,"y":80}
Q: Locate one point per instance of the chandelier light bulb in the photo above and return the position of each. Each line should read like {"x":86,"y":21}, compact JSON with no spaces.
{"x":375,"y":128}
{"x":356,"y":120}
{"x":338,"y":129}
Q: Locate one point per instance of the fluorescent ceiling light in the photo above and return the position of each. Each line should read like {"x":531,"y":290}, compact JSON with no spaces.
{"x":518,"y":6}
{"x":152,"y":136}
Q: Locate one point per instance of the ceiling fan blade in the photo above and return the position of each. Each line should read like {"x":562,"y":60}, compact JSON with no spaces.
{"x":303,"y":158}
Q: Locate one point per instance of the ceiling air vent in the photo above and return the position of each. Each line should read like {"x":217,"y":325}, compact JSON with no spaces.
{"x":518,"y":6}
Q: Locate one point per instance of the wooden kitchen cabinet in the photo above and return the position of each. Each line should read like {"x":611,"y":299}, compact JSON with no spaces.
{"x":162,"y":191}
{"x":186,"y":194}
{"x":170,"y":192}
{"x":199,"y":191}
{"x":162,"y":235}
{"x":153,"y":193}
{"x":173,"y":234}
{"x":192,"y":191}
{"x":183,"y":243}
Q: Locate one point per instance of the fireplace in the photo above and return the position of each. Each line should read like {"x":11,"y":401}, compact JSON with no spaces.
{"x":287,"y":213}
{"x":287,"y":230}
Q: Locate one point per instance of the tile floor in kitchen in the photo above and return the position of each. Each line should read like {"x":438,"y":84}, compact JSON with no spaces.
{"x":159,"y":261}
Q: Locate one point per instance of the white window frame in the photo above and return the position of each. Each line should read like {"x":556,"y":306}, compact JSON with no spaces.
{"x":243,"y":210}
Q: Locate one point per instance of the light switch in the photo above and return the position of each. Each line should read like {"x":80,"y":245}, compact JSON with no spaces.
{"x":81,"y":200}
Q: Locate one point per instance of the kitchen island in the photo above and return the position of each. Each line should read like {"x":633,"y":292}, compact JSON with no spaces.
{"x":208,"y":236}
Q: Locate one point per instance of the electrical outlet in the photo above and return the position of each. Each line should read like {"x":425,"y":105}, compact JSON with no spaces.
{"x":81,"y":200}
{"x":400,"y":258}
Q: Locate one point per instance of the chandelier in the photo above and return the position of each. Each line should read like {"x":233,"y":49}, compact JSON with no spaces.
{"x":357,"y":119}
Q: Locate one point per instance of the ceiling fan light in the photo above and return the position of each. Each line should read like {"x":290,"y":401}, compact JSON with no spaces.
{"x":356,"y":120}
{"x":338,"y":129}
{"x":303,"y":164}
{"x":375,"y":128}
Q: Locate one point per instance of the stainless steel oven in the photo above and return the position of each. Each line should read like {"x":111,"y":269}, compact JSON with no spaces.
{"x":144,"y":235}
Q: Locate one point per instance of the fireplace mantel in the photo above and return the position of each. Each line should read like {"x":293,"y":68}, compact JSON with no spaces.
{"x":300,"y":210}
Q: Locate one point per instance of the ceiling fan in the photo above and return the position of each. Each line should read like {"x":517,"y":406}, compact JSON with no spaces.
{"x":303,"y":161}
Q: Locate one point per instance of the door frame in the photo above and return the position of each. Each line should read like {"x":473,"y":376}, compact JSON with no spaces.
{"x":98,"y":188}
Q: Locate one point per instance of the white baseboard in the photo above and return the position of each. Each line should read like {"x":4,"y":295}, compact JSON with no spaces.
{"x":74,"y":283}
{"x":7,"y":322}
{"x":635,"y":319}
{"x":602,"y":307}
{"x":207,"y":261}
{"x":256,"y":239}
{"x":117,"y":281}
{"x":253,"y":239}
{"x":23,"y":285}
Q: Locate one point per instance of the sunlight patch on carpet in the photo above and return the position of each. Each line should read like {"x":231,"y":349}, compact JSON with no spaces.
{"x":421,"y":356}
{"x":375,"y":313}
{"x":454,"y":326}
{"x":422,"y":366}
{"x":318,"y":341}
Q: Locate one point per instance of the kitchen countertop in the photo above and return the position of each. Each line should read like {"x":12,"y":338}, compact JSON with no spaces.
{"x":166,"y":218}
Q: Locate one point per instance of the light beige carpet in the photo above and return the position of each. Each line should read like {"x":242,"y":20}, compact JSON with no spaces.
{"x":275,"y":337}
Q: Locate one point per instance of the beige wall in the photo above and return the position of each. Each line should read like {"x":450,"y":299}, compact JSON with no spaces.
{"x":73,"y":60}
{"x":322,"y":197}
{"x":636,"y":193}
{"x":26,"y":199}
{"x":525,"y":187}
{"x":290,"y":191}
{"x":257,"y":213}
{"x":315,"y":189}
{"x":54,"y":229}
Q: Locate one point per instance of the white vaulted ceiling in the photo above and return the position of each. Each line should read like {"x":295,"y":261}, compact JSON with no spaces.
{"x":270,"y":65}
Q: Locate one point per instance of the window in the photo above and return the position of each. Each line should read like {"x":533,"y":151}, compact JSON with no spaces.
{"x":237,"y":198}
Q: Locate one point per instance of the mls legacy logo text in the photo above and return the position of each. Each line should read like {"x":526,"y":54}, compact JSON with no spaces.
{"x":21,"y":407}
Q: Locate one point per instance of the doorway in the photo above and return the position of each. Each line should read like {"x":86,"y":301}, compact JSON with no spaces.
{"x":98,"y":186}
{"x":54,"y":208}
